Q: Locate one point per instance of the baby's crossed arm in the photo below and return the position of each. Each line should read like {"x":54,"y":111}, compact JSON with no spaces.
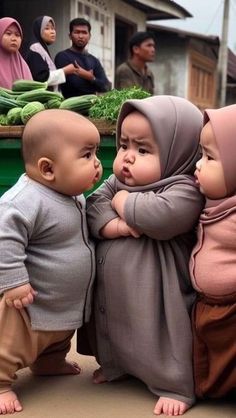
{"x":118,"y":228}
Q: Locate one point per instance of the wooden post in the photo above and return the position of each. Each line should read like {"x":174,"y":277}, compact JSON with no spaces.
{"x":223,"y":58}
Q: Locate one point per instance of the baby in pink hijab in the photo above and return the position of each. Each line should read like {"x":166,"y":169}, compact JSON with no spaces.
{"x":213,"y":261}
{"x":13,"y":66}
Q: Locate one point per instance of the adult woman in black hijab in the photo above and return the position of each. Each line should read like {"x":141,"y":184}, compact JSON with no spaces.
{"x":39,"y":59}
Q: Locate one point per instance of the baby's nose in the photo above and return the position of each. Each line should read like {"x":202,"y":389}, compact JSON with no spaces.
{"x":129,"y":157}
{"x":198,"y":164}
{"x":97,"y":162}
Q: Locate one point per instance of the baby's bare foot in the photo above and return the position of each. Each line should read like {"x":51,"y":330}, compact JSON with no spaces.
{"x":170,"y":406}
{"x":9,"y":403}
{"x":65,"y":367}
{"x":98,"y":376}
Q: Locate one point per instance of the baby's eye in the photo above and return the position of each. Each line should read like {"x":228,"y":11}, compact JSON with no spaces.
{"x":88,"y":155}
{"x":123,"y":146}
{"x":142,"y":151}
{"x":209,"y":157}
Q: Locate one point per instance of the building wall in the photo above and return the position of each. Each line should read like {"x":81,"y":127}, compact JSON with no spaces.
{"x":186,"y":66}
{"x":170,"y":66}
{"x":128,"y":12}
{"x":207,"y":49}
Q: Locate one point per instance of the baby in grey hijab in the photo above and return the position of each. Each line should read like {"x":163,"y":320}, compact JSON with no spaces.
{"x":144,"y":218}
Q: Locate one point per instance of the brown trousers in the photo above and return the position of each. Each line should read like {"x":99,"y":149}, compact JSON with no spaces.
{"x":214,"y":348}
{"x":20,"y":346}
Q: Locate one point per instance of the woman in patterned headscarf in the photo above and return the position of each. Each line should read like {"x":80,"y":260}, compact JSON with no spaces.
{"x":13,"y":66}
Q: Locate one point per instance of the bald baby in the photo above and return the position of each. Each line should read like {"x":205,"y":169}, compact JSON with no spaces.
{"x":58,"y":142}
{"x":47,"y":130}
{"x":46,"y":225}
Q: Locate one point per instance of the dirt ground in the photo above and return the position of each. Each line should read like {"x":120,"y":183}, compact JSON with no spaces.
{"x":78,"y":397}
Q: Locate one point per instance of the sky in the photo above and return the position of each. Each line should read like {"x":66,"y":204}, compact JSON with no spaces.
{"x":207,"y":19}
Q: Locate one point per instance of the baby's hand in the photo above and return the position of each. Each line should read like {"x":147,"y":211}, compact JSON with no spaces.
{"x":117,"y":228}
{"x":20,"y":296}
{"x":124,"y":230}
{"x":118,"y":202}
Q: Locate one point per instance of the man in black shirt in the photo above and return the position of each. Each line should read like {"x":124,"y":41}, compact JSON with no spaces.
{"x":90,"y":77}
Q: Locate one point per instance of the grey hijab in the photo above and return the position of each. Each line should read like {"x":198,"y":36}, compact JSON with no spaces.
{"x":176,"y":124}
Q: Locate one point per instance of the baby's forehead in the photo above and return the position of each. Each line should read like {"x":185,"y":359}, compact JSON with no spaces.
{"x":134,"y":121}
{"x":62,"y":127}
{"x":134,"y":114}
{"x":56,"y":122}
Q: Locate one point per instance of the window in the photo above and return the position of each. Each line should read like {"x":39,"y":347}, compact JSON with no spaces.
{"x":87,"y":10}
{"x":80,"y":8}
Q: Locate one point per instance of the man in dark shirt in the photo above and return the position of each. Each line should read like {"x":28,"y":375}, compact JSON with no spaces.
{"x":90,"y":77}
{"x":135,"y":72}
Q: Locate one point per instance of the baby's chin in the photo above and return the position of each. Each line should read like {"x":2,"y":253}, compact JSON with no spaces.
{"x":130,"y":181}
{"x":127,"y":181}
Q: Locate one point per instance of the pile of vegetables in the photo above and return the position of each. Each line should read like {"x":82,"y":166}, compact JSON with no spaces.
{"x":26,"y":98}
{"x":108,"y":105}
{"x":79,"y":104}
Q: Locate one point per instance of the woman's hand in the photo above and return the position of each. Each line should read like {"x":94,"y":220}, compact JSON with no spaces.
{"x":69,"y":69}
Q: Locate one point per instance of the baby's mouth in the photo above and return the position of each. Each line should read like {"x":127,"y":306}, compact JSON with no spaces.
{"x":196,"y":180}
{"x":126,"y":172}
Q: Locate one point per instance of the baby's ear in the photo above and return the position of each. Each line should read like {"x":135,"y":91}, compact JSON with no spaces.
{"x":46,"y":168}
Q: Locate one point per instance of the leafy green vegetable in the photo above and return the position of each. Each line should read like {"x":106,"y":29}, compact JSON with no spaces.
{"x":108,"y":105}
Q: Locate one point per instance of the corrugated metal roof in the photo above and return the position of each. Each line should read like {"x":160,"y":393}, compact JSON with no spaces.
{"x":184,"y":34}
{"x":160,"y":9}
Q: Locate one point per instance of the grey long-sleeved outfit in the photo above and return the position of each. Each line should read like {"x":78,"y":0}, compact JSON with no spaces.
{"x":44,"y":241}
{"x":143,"y":293}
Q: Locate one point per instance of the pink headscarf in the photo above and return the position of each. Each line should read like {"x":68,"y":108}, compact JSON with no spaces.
{"x":13,"y":66}
{"x":223,"y":122}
